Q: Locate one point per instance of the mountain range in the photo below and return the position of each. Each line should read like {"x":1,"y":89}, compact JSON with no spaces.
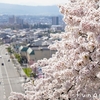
{"x":12,"y":9}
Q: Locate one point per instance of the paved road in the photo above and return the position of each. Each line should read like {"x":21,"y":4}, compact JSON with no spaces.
{"x":10,"y":79}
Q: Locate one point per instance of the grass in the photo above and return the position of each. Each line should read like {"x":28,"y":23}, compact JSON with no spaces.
{"x":27,"y":71}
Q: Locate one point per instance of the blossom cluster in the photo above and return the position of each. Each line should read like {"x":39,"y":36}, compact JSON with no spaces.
{"x":73,"y":71}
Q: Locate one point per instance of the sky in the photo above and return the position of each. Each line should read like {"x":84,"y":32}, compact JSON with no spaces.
{"x":34,"y":2}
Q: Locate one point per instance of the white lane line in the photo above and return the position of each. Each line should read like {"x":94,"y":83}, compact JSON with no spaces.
{"x":4,"y":93}
{"x":3,"y":87}
{"x":7,"y":74}
{"x":4,"y":96}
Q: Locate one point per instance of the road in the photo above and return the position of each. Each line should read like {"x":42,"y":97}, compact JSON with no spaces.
{"x":9,"y":77}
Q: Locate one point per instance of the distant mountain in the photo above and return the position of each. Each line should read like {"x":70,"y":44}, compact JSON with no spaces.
{"x":12,"y":9}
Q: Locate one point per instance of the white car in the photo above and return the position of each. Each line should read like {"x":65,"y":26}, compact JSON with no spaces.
{"x":0,"y":56}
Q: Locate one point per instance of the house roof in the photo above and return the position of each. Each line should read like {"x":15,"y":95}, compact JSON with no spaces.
{"x":23,"y":49}
{"x":28,"y":45}
{"x":30,"y":51}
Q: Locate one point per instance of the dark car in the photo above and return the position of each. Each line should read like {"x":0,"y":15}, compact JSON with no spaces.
{"x":9,"y":60}
{"x":2,"y":64}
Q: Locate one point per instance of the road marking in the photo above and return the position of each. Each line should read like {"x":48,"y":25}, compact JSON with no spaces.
{"x":6,"y":73}
{"x":3,"y":88}
{"x":4,"y":96}
{"x":2,"y":82}
{"x":4,"y":93}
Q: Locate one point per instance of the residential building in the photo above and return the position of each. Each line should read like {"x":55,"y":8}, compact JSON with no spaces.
{"x":30,"y":56}
{"x":35,"y":53}
{"x":23,"y":51}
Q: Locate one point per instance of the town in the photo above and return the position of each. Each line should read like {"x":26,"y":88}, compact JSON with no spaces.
{"x":23,"y":41}
{"x":27,"y":34}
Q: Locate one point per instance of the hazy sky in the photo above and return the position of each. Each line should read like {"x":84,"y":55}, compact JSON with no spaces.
{"x":34,"y":2}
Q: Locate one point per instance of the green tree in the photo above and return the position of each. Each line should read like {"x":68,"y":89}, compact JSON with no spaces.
{"x":18,"y":57}
{"x":9,"y":50}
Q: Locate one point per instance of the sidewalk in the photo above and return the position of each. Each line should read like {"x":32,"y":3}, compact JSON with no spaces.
{"x":22,"y":75}
{"x":23,"y":80}
{"x":18,"y":66}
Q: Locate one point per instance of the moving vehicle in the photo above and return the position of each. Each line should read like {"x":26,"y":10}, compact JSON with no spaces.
{"x":6,"y":53}
{"x":8,"y":60}
{"x":2,"y":64}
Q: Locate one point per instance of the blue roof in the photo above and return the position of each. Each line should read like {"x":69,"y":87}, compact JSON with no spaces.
{"x":24,"y":49}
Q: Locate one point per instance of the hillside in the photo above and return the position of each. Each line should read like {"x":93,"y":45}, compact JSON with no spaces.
{"x":12,"y":9}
